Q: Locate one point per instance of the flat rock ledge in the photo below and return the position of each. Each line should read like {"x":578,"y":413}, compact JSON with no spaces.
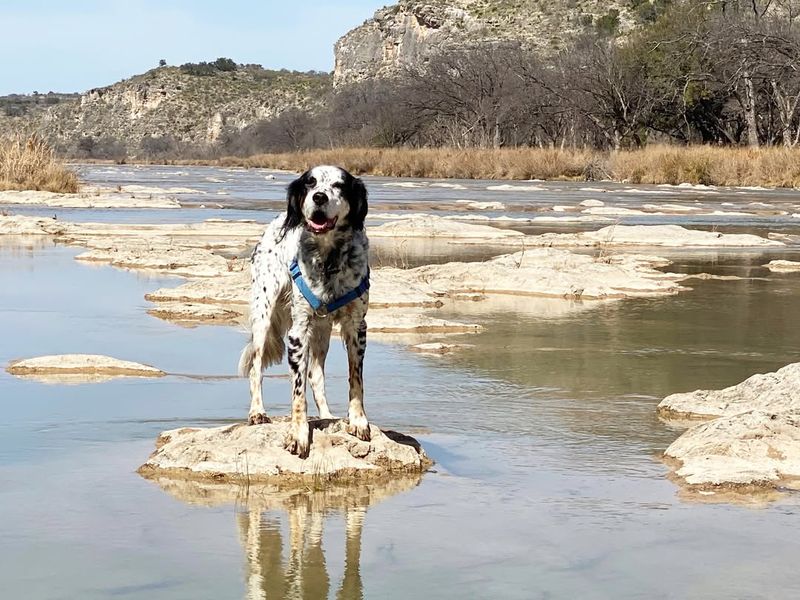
{"x":748,"y":451}
{"x":243,"y":453}
{"x":783,"y":266}
{"x":751,"y":442}
{"x":81,"y":364}
{"x":773,"y":392}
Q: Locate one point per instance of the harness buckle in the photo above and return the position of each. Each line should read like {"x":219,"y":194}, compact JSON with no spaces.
{"x":322,"y":312}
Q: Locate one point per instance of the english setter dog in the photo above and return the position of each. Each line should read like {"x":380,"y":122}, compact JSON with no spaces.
{"x":310,"y":271}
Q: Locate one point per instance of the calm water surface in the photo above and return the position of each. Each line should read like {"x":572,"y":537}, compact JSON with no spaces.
{"x":547,"y":483}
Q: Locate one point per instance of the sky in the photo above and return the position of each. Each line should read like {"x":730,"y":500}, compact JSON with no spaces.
{"x":75,"y":45}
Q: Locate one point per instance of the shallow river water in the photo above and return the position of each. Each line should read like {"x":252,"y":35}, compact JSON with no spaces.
{"x":548,"y":482}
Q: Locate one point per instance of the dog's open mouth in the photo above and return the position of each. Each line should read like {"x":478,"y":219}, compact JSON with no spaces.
{"x":320,"y":223}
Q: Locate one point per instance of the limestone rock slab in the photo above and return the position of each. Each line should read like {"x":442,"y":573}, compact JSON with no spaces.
{"x":242,"y":452}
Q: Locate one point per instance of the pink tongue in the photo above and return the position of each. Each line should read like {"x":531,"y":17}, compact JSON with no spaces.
{"x":319,"y":226}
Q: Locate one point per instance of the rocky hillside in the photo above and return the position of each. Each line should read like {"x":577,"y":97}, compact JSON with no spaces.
{"x":192,"y":105}
{"x":407,"y":32}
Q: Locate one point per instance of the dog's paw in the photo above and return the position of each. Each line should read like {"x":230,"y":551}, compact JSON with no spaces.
{"x":359,"y":428}
{"x":297,"y":440}
{"x":258,"y":419}
{"x":296,"y":446}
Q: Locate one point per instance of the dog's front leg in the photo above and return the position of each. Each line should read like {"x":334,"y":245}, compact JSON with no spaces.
{"x":297,"y":440}
{"x":355,"y":340}
{"x":257,"y":414}
{"x":320,"y":341}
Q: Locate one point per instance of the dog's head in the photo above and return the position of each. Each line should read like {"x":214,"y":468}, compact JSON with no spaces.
{"x":324,"y":199}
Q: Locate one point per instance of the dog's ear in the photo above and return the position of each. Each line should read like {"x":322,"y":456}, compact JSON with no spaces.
{"x":357,"y":197}
{"x":294,"y":203}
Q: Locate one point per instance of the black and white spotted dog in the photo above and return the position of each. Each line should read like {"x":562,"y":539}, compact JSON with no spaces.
{"x":309,"y":271}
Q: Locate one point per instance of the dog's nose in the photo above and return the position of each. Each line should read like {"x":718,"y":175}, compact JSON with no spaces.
{"x":319,"y":198}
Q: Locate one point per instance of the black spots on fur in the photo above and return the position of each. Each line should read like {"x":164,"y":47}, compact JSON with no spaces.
{"x":294,"y":354}
{"x":265,"y":289}
{"x":294,"y":347}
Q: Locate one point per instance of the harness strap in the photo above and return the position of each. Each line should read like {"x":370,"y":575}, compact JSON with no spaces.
{"x":320,"y":308}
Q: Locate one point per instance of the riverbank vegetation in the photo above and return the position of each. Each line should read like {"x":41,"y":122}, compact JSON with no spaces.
{"x":28,"y":163}
{"x":720,"y":73}
{"x":704,"y":93}
{"x":704,"y":165}
{"x":695,"y":91}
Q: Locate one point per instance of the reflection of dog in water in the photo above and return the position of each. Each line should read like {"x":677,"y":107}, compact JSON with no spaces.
{"x":305,"y":573}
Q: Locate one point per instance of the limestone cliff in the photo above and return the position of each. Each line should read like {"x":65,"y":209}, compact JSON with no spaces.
{"x":410,"y":31}
{"x":169,"y":103}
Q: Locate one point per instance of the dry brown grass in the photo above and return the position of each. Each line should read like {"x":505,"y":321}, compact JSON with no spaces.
{"x":442,"y":163}
{"x":28,"y":163}
{"x":773,"y":167}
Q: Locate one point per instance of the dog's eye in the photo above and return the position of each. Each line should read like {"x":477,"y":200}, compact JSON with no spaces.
{"x":311,"y":182}
{"x":337,"y":185}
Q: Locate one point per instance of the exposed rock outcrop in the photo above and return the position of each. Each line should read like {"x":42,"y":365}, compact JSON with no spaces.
{"x":409,"y":32}
{"x":90,"y":199}
{"x":167,"y":107}
{"x":772,"y":392}
{"x":666,"y":236}
{"x":754,"y":441}
{"x":87,"y":366}
{"x":437,"y":348}
{"x":432,"y":226}
{"x":219,"y":288}
{"x":783,"y":266}
{"x":757,"y":449}
{"x":256,"y":453}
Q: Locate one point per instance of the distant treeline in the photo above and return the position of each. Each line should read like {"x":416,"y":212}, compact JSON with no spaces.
{"x":722,"y":72}
{"x":18,"y":105}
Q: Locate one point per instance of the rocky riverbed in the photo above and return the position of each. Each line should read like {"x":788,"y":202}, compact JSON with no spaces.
{"x":547,"y":409}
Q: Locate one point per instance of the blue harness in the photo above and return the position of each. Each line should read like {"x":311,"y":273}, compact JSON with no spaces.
{"x":320,"y":308}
